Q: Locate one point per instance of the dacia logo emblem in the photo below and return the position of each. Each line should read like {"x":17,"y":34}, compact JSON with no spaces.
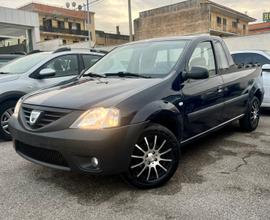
{"x":34,"y":116}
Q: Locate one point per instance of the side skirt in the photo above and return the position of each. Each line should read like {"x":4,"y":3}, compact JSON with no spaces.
{"x":211,"y":130}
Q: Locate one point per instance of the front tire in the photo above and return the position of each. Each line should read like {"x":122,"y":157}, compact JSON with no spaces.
{"x":6,"y":111}
{"x":154,"y":159}
{"x":252,"y":117}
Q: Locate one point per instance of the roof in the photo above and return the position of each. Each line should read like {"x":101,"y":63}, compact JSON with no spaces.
{"x":230,"y":10}
{"x":190,"y":37}
{"x":259,"y":26}
{"x":187,"y":4}
{"x":53,"y":10}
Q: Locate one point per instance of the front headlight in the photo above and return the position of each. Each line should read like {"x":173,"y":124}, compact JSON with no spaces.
{"x":17,"y":108}
{"x":98,"y":118}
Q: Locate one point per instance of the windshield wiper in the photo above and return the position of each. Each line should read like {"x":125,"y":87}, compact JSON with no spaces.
{"x":93,"y":75}
{"x":127,"y":74}
{"x":4,"y":73}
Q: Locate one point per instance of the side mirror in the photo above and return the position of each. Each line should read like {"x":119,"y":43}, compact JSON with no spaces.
{"x":266,"y":67}
{"x":197,"y":73}
{"x":47,"y":72}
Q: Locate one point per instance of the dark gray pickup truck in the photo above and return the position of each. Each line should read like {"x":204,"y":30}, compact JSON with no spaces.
{"x":132,"y":111}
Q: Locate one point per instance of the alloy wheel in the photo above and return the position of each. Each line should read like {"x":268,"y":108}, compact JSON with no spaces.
{"x":5,"y":118}
{"x":152,"y":159}
{"x":255,"y":113}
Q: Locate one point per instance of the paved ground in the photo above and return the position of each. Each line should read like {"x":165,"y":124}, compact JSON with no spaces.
{"x":224,"y":176}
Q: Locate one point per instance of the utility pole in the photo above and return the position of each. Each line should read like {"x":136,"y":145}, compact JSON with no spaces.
{"x":88,"y":22}
{"x":130,"y":21}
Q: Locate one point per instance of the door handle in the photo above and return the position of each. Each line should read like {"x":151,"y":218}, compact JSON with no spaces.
{"x":220,"y":89}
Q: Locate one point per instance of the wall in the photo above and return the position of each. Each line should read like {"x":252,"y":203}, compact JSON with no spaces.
{"x":109,"y":39}
{"x":184,"y":18}
{"x":251,"y":42}
{"x":50,"y":45}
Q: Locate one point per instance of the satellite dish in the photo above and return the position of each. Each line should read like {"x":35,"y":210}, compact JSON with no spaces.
{"x":74,"y":4}
{"x":67,"y":4}
{"x":80,"y":7}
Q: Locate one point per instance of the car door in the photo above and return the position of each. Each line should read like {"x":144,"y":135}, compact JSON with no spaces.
{"x":66,"y":68}
{"x":236,"y":83}
{"x":203,"y":98}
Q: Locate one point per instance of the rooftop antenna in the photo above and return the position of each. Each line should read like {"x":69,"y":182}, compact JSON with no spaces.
{"x":73,"y":4}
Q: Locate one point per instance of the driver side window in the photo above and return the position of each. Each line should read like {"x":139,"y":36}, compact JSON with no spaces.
{"x":203,"y":56}
{"x":64,"y":65}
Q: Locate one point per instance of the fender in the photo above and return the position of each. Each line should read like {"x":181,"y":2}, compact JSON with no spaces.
{"x":152,"y":109}
{"x":257,"y":87}
{"x":160,"y":108}
{"x":15,"y":95}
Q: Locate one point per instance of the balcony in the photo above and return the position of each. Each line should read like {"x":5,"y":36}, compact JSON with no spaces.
{"x":64,"y":31}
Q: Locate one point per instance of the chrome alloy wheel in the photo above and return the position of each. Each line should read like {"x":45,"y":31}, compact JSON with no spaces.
{"x":151,"y":159}
{"x":5,"y":118}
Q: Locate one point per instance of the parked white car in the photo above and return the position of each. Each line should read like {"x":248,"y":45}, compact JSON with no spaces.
{"x":261,"y":57}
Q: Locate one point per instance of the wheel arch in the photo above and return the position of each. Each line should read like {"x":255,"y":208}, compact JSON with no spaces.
{"x":259,"y":94}
{"x":8,"y":96}
{"x":163,"y":113}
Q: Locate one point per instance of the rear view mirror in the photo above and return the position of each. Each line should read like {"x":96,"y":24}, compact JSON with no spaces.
{"x":197,"y":73}
{"x":47,"y":72}
{"x":266,"y":67}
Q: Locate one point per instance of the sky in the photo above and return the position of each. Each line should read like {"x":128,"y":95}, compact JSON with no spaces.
{"x":110,"y":13}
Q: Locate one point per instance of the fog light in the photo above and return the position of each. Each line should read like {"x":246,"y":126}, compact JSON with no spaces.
{"x":94,"y":162}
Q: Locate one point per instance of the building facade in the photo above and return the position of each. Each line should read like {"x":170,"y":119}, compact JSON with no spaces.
{"x":189,"y":18}
{"x":19,"y":30}
{"x":259,"y":28}
{"x":69,"y":25}
{"x":111,"y":39}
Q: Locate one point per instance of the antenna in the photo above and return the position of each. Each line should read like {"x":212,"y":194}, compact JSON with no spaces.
{"x":73,"y":4}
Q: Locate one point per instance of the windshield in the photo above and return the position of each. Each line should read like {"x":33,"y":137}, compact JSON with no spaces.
{"x":153,"y":59}
{"x":267,"y":52}
{"x":23,"y":64}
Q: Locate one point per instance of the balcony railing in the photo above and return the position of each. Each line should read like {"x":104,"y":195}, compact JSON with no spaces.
{"x":64,"y":31}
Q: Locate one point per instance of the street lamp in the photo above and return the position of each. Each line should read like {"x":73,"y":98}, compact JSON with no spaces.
{"x":130,"y":21}
{"x":88,"y":22}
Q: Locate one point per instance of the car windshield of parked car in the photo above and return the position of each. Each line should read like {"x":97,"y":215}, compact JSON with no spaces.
{"x":267,"y":52}
{"x":148,"y":59}
{"x":23,"y":64}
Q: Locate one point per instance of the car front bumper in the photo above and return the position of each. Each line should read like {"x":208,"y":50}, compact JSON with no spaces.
{"x":72,"y":149}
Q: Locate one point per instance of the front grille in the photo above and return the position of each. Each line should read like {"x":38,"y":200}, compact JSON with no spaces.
{"x":41,"y":154}
{"x":46,"y":116}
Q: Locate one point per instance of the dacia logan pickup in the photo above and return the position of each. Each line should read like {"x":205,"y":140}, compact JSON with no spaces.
{"x":133,"y":111}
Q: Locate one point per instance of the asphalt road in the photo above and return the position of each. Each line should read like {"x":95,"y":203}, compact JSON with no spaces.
{"x":223,"y":176}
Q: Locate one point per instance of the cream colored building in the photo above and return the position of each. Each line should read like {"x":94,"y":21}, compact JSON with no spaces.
{"x":191,"y":17}
{"x":69,"y":25}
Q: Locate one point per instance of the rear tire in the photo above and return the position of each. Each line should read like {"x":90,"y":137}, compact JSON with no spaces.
{"x":154,"y":159}
{"x":6,"y":111}
{"x":252,"y":117}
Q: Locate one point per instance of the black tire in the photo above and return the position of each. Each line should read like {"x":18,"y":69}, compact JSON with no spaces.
{"x":4,"y":107}
{"x":159,"y":153}
{"x":252,"y":117}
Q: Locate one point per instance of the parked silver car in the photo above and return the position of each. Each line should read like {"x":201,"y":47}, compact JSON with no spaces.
{"x":261,"y":57}
{"x":38,"y":71}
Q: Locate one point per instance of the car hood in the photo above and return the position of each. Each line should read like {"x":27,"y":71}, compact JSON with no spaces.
{"x":86,"y":93}
{"x":8,"y":77}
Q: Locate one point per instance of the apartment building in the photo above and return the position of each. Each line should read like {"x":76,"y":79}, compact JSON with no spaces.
{"x":56,"y":22}
{"x":191,"y":17}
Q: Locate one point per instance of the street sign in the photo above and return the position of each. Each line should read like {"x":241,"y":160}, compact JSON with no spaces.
{"x":266,"y":16}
